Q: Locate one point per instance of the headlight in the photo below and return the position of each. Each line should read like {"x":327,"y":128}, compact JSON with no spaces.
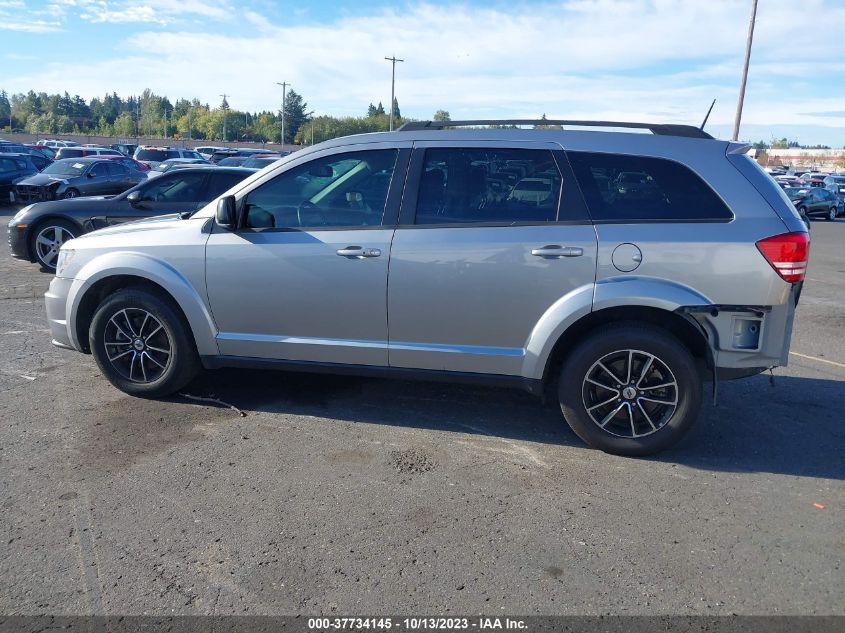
{"x":19,"y":215}
{"x":65,"y":257}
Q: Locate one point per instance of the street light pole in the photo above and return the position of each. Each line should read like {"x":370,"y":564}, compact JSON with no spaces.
{"x":284,"y":86}
{"x":393,"y":60}
{"x":741,"y":97}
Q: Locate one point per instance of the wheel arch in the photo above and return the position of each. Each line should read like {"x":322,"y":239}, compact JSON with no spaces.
{"x":41,"y":221}
{"x":683,"y":328}
{"x":156,"y":276}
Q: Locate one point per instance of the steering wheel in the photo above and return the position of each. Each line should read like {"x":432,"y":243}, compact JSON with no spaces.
{"x":307,"y":208}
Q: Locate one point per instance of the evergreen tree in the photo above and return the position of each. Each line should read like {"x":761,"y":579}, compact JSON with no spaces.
{"x":380,"y":109}
{"x":294,"y":114}
{"x":396,"y":113}
{"x":371,"y":111}
{"x":5,"y":108}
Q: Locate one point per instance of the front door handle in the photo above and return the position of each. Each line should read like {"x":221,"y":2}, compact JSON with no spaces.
{"x":358,"y":252}
{"x":556,"y":250}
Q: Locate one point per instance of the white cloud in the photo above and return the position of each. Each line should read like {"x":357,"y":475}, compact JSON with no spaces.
{"x":628,"y":59}
{"x":162,"y":12}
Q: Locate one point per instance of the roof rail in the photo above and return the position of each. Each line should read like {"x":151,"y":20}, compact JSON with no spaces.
{"x":662,"y":129}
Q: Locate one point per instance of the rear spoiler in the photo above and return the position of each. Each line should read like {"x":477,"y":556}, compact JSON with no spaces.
{"x":737,"y":148}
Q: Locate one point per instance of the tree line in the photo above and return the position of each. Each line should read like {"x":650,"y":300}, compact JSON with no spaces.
{"x":152,"y":115}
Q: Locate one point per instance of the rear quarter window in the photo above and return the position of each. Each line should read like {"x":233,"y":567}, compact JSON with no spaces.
{"x":622,"y":188}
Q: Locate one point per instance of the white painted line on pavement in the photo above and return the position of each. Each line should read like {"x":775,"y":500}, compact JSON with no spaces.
{"x":821,"y":360}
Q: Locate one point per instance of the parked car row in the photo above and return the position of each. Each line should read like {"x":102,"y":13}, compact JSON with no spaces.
{"x":814,"y":193}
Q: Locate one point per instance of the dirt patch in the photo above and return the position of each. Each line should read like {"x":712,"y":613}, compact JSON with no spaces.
{"x":411,"y":462}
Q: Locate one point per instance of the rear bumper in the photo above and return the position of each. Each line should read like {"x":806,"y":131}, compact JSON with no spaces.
{"x":55,"y":300}
{"x":748,"y":337}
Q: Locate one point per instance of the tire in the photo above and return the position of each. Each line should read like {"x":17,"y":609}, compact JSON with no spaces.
{"x":70,"y":193}
{"x":802,"y":210}
{"x":142,"y":368}
{"x":47,"y":238}
{"x":651,"y":418}
{"x":832,"y":213}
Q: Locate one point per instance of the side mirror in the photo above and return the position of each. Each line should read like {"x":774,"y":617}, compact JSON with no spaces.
{"x":90,"y":174}
{"x":134,"y":198}
{"x":227,"y":215}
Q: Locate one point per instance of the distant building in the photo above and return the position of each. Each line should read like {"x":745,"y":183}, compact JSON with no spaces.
{"x":797,"y":158}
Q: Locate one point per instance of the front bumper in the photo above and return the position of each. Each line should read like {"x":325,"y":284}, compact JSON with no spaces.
{"x":18,"y":238}
{"x":55,"y":300}
{"x":28,"y":194}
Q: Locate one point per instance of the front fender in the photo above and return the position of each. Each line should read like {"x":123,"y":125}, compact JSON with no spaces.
{"x":121,"y":263}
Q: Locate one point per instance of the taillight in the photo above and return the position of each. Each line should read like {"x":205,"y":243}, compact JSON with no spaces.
{"x":787,"y":254}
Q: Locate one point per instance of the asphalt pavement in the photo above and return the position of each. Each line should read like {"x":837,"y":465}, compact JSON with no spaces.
{"x":339,"y":495}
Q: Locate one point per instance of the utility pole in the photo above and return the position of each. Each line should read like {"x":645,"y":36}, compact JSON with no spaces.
{"x":225,"y":107}
{"x":190,"y":107}
{"x":741,"y":97}
{"x":284,"y":86}
{"x":393,"y":60}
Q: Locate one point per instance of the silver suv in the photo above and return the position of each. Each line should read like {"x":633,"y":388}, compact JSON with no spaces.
{"x":618,"y":271}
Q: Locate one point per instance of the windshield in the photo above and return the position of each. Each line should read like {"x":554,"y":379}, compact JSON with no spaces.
{"x":66,"y":167}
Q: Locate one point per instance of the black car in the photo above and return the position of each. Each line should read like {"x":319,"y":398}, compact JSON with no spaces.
{"x":14,"y":168}
{"x":37,"y":232}
{"x":75,"y":177}
{"x":38,"y":158}
{"x":814,"y":201}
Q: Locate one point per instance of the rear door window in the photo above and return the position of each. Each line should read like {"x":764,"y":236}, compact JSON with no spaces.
{"x":461,"y":185}
{"x":622,"y":188}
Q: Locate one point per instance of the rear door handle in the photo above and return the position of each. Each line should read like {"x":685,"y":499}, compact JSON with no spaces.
{"x":556,"y":250}
{"x":358,"y":252}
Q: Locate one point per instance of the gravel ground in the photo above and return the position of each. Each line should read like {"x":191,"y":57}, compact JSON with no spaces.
{"x":345,"y":495}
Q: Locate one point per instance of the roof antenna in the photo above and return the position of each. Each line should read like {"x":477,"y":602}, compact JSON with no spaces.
{"x":707,"y":116}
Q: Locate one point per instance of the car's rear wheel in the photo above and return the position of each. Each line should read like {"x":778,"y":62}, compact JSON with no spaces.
{"x":142,"y":344}
{"x":70,"y":193}
{"x":630,"y":389}
{"x":47,"y":239}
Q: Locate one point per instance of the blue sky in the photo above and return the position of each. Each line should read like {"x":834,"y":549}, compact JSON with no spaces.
{"x":653,"y":60}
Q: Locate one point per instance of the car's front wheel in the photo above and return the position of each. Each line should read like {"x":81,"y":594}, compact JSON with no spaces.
{"x":630,"y":389}
{"x":47,"y":239}
{"x":832,"y":213}
{"x":142,"y":344}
